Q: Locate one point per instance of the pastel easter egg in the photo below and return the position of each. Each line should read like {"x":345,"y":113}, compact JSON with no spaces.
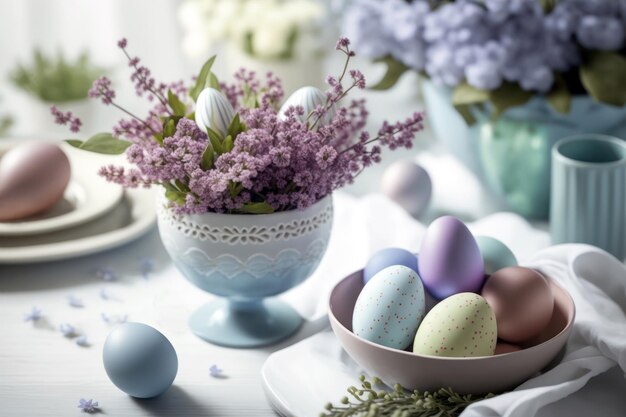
{"x":385,"y":258}
{"x":462,"y":325}
{"x":213,"y":110}
{"x":33,"y":177}
{"x":496,"y":255}
{"x":409,"y":185}
{"x":450,"y":261}
{"x":504,"y":347}
{"x":309,"y":98}
{"x":522,"y":301}
{"x":390,"y":308}
{"x":139,"y":360}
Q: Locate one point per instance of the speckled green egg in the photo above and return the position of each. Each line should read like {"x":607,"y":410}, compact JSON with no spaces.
{"x":462,"y":325}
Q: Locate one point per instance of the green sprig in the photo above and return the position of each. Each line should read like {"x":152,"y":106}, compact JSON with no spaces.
{"x":369,"y":402}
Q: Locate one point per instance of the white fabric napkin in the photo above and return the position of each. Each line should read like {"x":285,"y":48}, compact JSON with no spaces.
{"x":597,"y":283}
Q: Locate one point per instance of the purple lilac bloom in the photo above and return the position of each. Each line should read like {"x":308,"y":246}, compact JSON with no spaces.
{"x":66,"y":118}
{"x":216,"y":372}
{"x":74,"y":301}
{"x":288,"y":162}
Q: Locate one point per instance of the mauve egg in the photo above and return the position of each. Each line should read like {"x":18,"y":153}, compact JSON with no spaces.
{"x":450,"y":261}
{"x":522,"y":301}
{"x":388,"y":257}
{"x":33,"y":178}
{"x":504,"y":347}
{"x":409,"y":185}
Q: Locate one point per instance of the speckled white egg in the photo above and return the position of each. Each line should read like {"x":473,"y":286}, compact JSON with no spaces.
{"x":390,"y":307}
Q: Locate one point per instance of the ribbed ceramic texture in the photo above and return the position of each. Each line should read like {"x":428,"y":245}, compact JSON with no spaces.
{"x":588,"y":202}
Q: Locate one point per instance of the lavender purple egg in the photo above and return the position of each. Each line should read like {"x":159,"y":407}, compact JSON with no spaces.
{"x":389,"y":257}
{"x":450,"y":261}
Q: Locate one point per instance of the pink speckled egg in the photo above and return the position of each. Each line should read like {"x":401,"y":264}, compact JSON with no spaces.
{"x":33,"y":178}
{"x":522,"y":301}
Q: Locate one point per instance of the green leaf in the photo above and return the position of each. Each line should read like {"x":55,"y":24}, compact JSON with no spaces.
{"x":103,"y":143}
{"x":559,"y":96}
{"x":257,"y":208}
{"x":466,"y":113}
{"x":177,"y":197}
{"x":228,"y":144}
{"x":74,"y":142}
{"x":192,"y":116}
{"x":215,"y":138}
{"x":247,"y":44}
{"x":177,"y":106}
{"x":464,"y":94}
{"x":395,"y":69}
{"x":235,"y":127}
{"x":202,"y":78}
{"x":603,"y":74}
{"x":159,"y":138}
{"x":169,"y":128}
{"x":548,"y":5}
{"x":207,"y":157}
{"x":508,"y":95}
{"x":214,"y":82}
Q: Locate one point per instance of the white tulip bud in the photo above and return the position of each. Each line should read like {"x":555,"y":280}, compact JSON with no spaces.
{"x":213,"y":110}
{"x":309,"y":98}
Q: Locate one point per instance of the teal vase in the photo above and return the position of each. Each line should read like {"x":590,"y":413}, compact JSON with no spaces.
{"x":589,"y":192}
{"x":511,"y":154}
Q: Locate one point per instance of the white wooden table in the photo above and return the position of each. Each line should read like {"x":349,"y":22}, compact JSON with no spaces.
{"x":44,"y":374}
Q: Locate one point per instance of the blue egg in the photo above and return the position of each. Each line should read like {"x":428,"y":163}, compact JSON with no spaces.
{"x":139,"y":360}
{"x":390,"y":308}
{"x":388,"y":257}
{"x":496,"y":255}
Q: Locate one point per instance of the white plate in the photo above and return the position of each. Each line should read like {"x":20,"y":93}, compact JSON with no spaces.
{"x":132,"y":217}
{"x":87,"y":196}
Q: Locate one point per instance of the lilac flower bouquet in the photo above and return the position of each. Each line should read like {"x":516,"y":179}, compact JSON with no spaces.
{"x":501,"y":52}
{"x":231,"y":148}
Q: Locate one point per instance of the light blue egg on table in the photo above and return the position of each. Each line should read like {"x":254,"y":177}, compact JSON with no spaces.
{"x":496,"y":255}
{"x":390,"y":308}
{"x":139,"y":360}
{"x":388,"y":257}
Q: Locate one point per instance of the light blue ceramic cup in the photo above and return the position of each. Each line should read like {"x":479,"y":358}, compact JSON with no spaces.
{"x":588,"y":203}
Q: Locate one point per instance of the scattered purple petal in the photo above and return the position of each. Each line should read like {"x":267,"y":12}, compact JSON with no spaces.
{"x":88,"y":406}
{"x":75,"y":302}
{"x":114,"y":318}
{"x":106,"y":274}
{"x":82,"y":341}
{"x":147,"y":267}
{"x":104,"y":294}
{"x":34,"y":315}
{"x":215,"y":372}
{"x":68,"y":330}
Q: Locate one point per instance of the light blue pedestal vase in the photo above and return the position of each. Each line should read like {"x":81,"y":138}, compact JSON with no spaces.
{"x":512,"y":153}
{"x":589,"y":192}
{"x":245,"y":259}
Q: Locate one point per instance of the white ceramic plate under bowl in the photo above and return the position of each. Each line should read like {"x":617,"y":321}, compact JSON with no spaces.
{"x":131,"y":218}
{"x":86,"y":197}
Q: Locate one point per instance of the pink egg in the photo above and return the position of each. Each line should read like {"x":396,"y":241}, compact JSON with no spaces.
{"x":503,"y":347}
{"x":522,"y":301}
{"x":33,"y":178}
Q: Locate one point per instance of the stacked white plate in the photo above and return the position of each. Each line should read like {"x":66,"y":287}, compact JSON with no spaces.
{"x":93,"y":215}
